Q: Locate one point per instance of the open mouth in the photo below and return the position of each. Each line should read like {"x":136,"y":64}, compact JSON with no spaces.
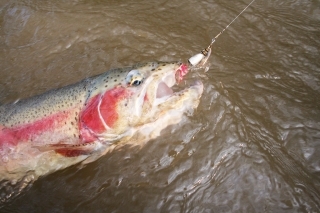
{"x":163,"y":90}
{"x":164,"y":87}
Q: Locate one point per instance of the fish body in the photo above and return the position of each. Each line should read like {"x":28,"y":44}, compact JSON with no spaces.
{"x":81,"y":122}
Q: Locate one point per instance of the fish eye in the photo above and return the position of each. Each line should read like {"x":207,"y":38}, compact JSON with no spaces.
{"x":134,"y":78}
{"x":136,"y":83}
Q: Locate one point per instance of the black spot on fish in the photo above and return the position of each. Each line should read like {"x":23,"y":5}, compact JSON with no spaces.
{"x":153,"y":69}
{"x":115,"y":80}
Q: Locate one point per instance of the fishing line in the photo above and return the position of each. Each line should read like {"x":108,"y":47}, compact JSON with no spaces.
{"x":205,"y":53}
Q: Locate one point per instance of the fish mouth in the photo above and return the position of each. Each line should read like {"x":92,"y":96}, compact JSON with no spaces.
{"x":165,"y":90}
{"x":161,"y":92}
{"x":167,"y":82}
{"x":162,"y":89}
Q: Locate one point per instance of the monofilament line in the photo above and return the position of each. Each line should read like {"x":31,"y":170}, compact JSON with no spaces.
{"x":213,"y":40}
{"x":205,"y":53}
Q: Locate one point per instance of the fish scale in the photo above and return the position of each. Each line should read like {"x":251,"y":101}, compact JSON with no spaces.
{"x":37,"y":107}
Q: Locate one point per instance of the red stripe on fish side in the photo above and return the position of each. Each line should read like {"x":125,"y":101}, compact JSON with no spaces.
{"x":90,"y":118}
{"x":26,"y":132}
{"x":109,"y":103}
{"x":7,"y":137}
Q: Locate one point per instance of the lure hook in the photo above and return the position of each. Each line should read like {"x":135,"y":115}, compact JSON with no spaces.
{"x":202,"y":56}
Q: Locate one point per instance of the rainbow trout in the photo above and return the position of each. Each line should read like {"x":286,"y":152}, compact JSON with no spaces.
{"x":80,"y":122}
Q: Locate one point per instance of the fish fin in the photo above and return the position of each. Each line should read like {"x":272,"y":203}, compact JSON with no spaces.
{"x":72,"y":150}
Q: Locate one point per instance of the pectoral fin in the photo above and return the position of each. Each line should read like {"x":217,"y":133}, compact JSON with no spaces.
{"x":72,"y":150}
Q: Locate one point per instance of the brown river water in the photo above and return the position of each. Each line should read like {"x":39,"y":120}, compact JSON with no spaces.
{"x":253,"y":144}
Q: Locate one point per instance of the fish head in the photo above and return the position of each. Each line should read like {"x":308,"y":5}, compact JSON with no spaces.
{"x":140,"y":98}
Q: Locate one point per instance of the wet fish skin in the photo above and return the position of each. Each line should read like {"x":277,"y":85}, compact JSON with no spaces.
{"x":73,"y":124}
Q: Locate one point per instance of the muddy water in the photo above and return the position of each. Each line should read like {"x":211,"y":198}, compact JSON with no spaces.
{"x":253,"y":144}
